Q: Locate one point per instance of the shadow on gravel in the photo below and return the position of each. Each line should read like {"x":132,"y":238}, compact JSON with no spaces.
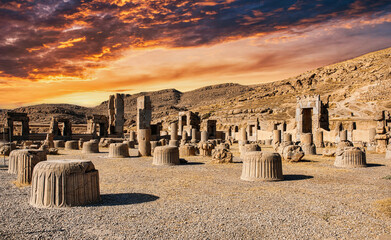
{"x":126,"y":199}
{"x":294,"y":177}
{"x":374,"y":165}
{"x":306,"y":160}
{"x":194,"y":163}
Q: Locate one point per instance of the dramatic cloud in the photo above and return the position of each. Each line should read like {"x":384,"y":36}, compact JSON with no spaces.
{"x":97,"y":45}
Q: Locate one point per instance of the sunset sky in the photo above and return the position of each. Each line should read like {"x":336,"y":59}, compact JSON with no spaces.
{"x":81,"y":51}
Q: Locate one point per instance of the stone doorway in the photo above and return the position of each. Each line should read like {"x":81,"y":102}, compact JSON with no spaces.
{"x":307,"y":120}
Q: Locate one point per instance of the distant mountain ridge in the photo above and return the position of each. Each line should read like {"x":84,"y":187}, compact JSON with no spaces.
{"x":356,"y":88}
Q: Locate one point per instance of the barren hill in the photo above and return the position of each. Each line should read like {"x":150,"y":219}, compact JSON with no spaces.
{"x":355,"y":89}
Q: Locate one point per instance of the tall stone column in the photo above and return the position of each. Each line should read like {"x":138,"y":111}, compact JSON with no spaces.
{"x":144,"y":114}
{"x":193,"y":135}
{"x":174,"y":131}
{"x":174,"y":135}
{"x":319,"y":143}
{"x":119,"y":111}
{"x":276,"y":137}
{"x":204,"y":136}
{"x":242,"y":137}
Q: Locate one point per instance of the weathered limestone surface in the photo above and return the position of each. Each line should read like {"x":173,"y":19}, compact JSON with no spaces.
{"x":205,"y":148}
{"x":221,"y":155}
{"x":287,"y":140}
{"x":307,"y":144}
{"x":204,"y":136}
{"x":319,"y":143}
{"x":64,"y":183}
{"x":26,"y":161}
{"x":242,"y":137}
{"x":154,"y":144}
{"x":248,"y":148}
{"x":144,"y":112}
{"x":187,"y":150}
{"x":144,"y":142}
{"x":90,"y":147}
{"x":262,"y":166}
{"x":17,"y":156}
{"x":174,"y":131}
{"x":351,"y":157}
{"x":166,"y":155}
{"x":276,"y":137}
{"x":72,"y":145}
{"x":292,"y":153}
{"x":118,"y":150}
{"x":193,"y":135}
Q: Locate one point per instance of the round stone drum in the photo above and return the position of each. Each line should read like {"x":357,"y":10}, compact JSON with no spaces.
{"x":72,"y":145}
{"x":64,"y":183}
{"x":262,"y":166}
{"x":166,"y":155}
{"x":118,"y":150}
{"x":351,"y":157}
{"x":90,"y":147}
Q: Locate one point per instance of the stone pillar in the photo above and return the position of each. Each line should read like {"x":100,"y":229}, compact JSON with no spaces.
{"x":111,"y":112}
{"x":144,"y":144}
{"x":180,"y":126}
{"x":343,"y":136}
{"x":307,"y":144}
{"x":319,"y":143}
{"x":49,"y":140}
{"x":25,"y":129}
{"x":132,"y":136}
{"x":144,"y":112}
{"x":204,"y":136}
{"x":174,"y":131}
{"x":184,"y":135}
{"x":72,"y":145}
{"x":287,"y":137}
{"x":119,"y":111}
{"x":193,"y":135}
{"x":242,"y":137}
{"x":276,"y":137}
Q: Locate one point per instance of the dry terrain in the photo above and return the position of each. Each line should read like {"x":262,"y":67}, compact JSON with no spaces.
{"x":202,"y":200}
{"x":355,"y":89}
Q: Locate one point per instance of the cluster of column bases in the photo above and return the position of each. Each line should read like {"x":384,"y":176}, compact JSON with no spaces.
{"x":65,"y":183}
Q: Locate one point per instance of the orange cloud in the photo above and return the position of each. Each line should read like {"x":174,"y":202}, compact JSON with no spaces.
{"x":70,"y":42}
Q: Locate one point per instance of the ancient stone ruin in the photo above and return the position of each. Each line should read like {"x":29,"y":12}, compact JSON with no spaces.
{"x":262,"y":166}
{"x":64,"y":183}
{"x":311,"y":115}
{"x":166,"y":155}
{"x":144,"y":115}
{"x":116,"y":114}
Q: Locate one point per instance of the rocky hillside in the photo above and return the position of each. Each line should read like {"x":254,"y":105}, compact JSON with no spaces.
{"x":355,"y":89}
{"x":42,"y":113}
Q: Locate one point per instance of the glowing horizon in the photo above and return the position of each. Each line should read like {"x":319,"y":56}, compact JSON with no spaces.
{"x":80,"y":52}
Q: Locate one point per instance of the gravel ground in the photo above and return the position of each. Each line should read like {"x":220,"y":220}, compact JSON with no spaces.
{"x":201,"y":200}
